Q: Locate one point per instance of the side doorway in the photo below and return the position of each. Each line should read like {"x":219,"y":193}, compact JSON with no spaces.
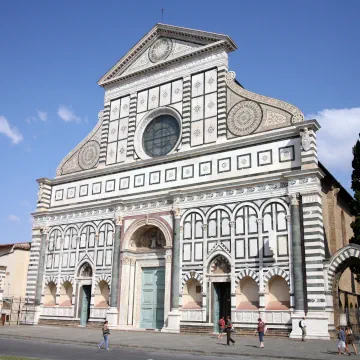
{"x":221,"y":302}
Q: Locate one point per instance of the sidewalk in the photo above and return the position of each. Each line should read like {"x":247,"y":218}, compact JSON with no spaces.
{"x":201,"y":344}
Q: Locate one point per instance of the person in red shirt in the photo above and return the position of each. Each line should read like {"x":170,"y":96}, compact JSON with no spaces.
{"x":261,"y":329}
{"x":221,"y":327}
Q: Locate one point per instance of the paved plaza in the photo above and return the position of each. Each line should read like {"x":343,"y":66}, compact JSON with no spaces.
{"x":162,"y":342}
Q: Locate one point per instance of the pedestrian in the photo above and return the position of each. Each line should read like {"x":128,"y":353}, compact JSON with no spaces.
{"x":106,"y":333}
{"x":229,"y":330}
{"x":221,"y":327}
{"x":261,"y":329}
{"x":341,"y":342}
{"x":350,"y":340}
{"x":302,"y":326}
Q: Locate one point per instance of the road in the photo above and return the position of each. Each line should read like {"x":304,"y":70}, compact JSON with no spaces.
{"x":55,"y":351}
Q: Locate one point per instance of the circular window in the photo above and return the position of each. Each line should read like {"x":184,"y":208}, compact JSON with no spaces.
{"x":161,"y":136}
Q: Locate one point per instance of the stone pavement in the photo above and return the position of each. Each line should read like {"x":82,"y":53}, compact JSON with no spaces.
{"x":200,"y":344}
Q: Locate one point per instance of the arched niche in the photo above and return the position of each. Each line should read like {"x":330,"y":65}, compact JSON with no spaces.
{"x":192,"y":294}
{"x":102,"y":292}
{"x":85,"y":271}
{"x":277,"y":294}
{"x":220,"y":265}
{"x":66,"y":293}
{"x":50,"y":294}
{"x":247,"y":294}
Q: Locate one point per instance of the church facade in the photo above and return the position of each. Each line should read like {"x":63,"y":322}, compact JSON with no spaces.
{"x":192,"y":198}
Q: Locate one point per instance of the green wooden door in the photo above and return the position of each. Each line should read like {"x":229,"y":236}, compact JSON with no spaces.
{"x":216,"y":312}
{"x":152,"y":298}
{"x":85,"y":304}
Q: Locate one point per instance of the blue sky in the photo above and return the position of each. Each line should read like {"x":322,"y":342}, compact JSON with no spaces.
{"x":52,"y":54}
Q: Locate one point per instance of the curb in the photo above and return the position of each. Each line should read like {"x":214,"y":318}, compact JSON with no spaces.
{"x":153,"y":349}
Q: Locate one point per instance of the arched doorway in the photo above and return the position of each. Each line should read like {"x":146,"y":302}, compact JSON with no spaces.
{"x":146,"y":275}
{"x":219,"y":275}
{"x":344,"y":287}
{"x":84,"y":277}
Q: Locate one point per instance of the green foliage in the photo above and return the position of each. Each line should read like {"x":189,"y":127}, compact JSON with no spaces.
{"x":355,"y":204}
{"x":355,"y":185}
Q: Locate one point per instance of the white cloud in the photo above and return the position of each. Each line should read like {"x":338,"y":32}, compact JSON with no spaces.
{"x":14,"y":218}
{"x":10,"y":132}
{"x":42,"y":115}
{"x":338,"y":134}
{"x":67,"y":114}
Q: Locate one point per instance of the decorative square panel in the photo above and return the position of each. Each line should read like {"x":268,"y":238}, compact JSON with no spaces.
{"x":211,"y":81}
{"x":187,"y":172}
{"x":224,"y":165}
{"x":197,"y":108}
{"x":165,"y":94}
{"x":110,"y":185}
{"x":139,"y":180}
{"x":121,"y":150}
{"x":123,"y":128}
{"x":111,"y":153}
{"x":142,"y":101}
{"x":59,"y":194}
{"x":115,"y":109}
{"x":154,"y":177}
{"x":287,"y":153}
{"x":176,"y":91}
{"x":205,"y":168}
{"x":70,"y":193}
{"x":197,"y":133}
{"x":125,"y":107}
{"x":264,"y":157}
{"x":244,"y":161}
{"x":83,"y":190}
{"x":210,"y":131}
{"x":113,"y":130}
{"x":197,"y":85}
{"x":96,"y":188}
{"x":153,"y":98}
{"x":170,"y":175}
{"x":210,"y":105}
{"x":124,"y":183}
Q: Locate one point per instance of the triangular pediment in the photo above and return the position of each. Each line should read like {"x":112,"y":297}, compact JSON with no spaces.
{"x":164,"y":45}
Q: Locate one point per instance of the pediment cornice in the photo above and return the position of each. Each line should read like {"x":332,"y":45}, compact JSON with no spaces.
{"x":209,"y":41}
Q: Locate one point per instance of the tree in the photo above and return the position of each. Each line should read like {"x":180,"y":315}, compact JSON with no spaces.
{"x":355,"y":204}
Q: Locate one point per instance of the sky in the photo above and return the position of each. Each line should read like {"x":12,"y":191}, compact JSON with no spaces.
{"x":53,"y":53}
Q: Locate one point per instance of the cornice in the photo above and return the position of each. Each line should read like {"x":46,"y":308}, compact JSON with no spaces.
{"x":236,"y":143}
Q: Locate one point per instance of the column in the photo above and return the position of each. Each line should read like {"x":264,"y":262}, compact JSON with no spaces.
{"x":296,"y":267}
{"x":233,"y":273}
{"x":174,"y":316}
{"x":124,"y":300}
{"x":261,"y":269}
{"x":40,"y":276}
{"x":112,"y":314}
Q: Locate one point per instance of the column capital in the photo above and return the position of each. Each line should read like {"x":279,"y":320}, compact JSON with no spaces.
{"x":232,"y":223}
{"x":294,"y":199}
{"x":259,"y":221}
{"x":204,"y":226}
{"x":45,"y":230}
{"x":288,"y":218}
{"x":118,"y":221}
{"x":177,"y":213}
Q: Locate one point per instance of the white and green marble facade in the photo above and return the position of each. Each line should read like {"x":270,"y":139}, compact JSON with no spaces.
{"x":238,"y":153}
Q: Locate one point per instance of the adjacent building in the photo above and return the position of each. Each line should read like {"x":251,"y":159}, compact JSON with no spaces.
{"x":191,"y":198}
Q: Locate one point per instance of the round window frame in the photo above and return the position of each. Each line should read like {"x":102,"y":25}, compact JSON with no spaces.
{"x":145,"y":121}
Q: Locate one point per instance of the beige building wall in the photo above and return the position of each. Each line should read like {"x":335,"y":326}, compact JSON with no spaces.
{"x":16,"y":259}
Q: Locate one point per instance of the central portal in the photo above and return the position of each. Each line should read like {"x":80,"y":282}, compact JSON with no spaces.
{"x":152,"y":298}
{"x":222,"y":302}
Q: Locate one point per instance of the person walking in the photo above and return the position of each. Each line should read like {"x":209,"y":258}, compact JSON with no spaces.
{"x":341,"y":342}
{"x":106,"y":333}
{"x":229,"y":330}
{"x":302,"y":326}
{"x":350,"y":340}
{"x":261,"y":329}
{"x":221,"y":327}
